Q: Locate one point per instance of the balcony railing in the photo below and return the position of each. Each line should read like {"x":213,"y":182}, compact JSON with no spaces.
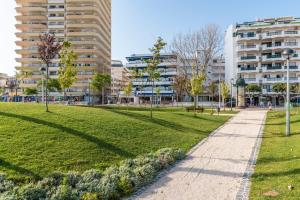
{"x":248,"y":57}
{"x":248,"y":69}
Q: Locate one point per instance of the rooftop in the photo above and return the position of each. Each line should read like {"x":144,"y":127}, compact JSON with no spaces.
{"x":269,"y":22}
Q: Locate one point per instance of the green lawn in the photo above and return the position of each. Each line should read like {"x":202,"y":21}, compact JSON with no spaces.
{"x":35,"y":143}
{"x":278,"y":163}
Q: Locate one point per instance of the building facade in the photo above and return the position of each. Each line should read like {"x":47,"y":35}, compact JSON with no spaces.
{"x":119,"y":76}
{"x":85,"y":23}
{"x":142,"y":85}
{"x":253,"y":50}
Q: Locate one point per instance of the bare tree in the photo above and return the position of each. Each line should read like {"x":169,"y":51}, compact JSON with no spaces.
{"x":48,"y":49}
{"x":208,"y":41}
{"x":180,"y":82}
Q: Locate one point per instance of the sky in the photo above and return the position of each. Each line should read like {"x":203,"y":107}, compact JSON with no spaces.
{"x":137,"y":23}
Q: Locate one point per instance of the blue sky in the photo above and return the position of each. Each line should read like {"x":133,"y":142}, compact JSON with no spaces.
{"x":137,"y":23}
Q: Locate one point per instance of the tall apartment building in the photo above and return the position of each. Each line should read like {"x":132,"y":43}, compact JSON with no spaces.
{"x":142,"y":86}
{"x":119,"y":76}
{"x":85,"y":23}
{"x":253,"y":50}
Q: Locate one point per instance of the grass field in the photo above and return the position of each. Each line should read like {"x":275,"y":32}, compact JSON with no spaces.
{"x":35,"y":143}
{"x":278,"y":165}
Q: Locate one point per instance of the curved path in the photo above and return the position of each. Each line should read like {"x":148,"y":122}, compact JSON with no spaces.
{"x":218,"y":167}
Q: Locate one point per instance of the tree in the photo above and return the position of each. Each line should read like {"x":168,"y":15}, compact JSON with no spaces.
{"x":100,"y":81}
{"x":151,"y":69}
{"x":208,"y":41}
{"x":196,"y":87}
{"x":252,"y":89}
{"x":224,"y":92}
{"x":157,"y":91}
{"x":212,"y":90}
{"x":67,"y":73}
{"x":31,"y":91}
{"x":128,"y":91}
{"x":180,"y":83}
{"x":53,"y":85}
{"x":48,"y":49}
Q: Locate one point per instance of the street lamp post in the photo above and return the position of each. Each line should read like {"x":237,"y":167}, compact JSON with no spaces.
{"x":288,"y":53}
{"x":219,"y":108}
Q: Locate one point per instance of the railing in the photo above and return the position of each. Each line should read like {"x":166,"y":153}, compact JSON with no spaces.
{"x":248,"y":57}
{"x":248,"y":68}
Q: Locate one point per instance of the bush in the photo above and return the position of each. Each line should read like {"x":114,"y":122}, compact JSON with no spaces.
{"x":5,"y":185}
{"x":114,"y":183}
{"x":32,"y":192}
{"x":89,"y":182}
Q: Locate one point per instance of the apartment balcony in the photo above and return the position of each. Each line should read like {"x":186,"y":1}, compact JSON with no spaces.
{"x":278,"y":68}
{"x":248,"y":59}
{"x":247,"y":38}
{"x":31,"y":9}
{"x":250,"y":80}
{"x":248,"y":69}
{"x":55,"y":26}
{"x":140,"y":64}
{"x":281,"y":34}
{"x":30,"y":18}
{"x":26,"y":51}
{"x":270,"y":58}
{"x":25,"y":27}
{"x":242,"y":48}
{"x":280,"y":80}
{"x":144,"y":83}
{"x":150,"y":92}
{"x":56,"y":19}
{"x":31,"y":1}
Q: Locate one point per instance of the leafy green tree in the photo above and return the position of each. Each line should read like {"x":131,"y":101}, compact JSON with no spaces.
{"x":197,"y":82}
{"x":252,"y":89}
{"x":67,"y":73}
{"x":152,"y":64}
{"x":128,"y":91}
{"x":30,"y":91}
{"x":53,"y":85}
{"x":224,"y":92}
{"x":100,"y":81}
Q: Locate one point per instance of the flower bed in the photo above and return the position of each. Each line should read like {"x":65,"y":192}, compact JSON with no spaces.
{"x":114,"y":183}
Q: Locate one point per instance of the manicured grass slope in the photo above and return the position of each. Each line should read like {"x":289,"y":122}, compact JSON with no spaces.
{"x":35,"y":143}
{"x":278,"y":164}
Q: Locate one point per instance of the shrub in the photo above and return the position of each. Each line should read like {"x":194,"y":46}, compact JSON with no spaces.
{"x":89,"y":182}
{"x":32,"y":192}
{"x":65,"y":192}
{"x":90,"y":196}
{"x":71,"y":179}
{"x":5,"y":185}
{"x":109,"y":184}
{"x":114,"y":183}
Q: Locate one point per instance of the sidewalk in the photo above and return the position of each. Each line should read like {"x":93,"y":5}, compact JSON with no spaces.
{"x":218,"y":167}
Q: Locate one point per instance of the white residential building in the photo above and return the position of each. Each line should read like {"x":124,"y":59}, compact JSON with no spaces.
{"x":253,"y":50}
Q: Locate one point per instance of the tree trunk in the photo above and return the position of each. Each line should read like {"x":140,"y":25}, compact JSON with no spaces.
{"x":151,"y":100}
{"x":195,"y":102}
{"x":47,"y":77}
{"x":102,"y":96}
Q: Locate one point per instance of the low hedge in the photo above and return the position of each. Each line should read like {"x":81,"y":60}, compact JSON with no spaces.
{"x":114,"y":183}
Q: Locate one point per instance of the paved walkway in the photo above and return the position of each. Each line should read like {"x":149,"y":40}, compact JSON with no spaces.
{"x":218,"y":167}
